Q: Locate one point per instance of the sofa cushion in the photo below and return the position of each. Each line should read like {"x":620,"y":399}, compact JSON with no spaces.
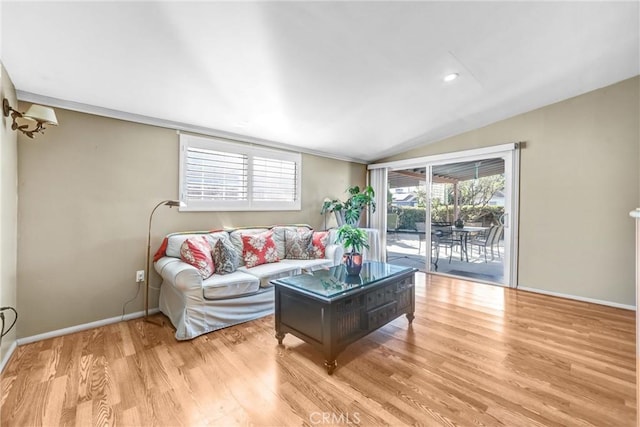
{"x":258,"y":249}
{"x":309,"y":264}
{"x":197,"y":252}
{"x":225,"y":257}
{"x":174,"y":241}
{"x":297,"y":244}
{"x":268,"y":272}
{"x":279,"y":236}
{"x":319,"y":242}
{"x":230,"y":285}
{"x":218,"y":235}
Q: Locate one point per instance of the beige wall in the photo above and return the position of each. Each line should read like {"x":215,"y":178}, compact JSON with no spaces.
{"x":579,"y":180}
{"x":8,"y":209}
{"x":86,"y":191}
{"x":87,"y":187}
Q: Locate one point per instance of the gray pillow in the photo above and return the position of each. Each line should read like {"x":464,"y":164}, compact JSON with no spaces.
{"x":297,"y":244}
{"x":225,"y":258}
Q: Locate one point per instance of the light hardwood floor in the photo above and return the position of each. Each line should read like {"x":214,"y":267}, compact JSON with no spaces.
{"x":475,"y":355}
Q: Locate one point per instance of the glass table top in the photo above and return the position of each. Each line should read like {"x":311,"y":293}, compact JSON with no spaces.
{"x":335,"y":281}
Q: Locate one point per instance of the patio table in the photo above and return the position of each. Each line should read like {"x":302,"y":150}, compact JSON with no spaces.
{"x":463,"y":234}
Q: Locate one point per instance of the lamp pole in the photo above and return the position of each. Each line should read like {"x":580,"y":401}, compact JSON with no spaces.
{"x":170,"y":203}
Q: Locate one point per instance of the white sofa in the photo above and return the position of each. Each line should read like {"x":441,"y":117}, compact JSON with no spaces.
{"x":196,"y":306}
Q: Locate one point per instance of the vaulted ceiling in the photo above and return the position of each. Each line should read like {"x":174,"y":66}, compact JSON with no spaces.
{"x":355,"y":80}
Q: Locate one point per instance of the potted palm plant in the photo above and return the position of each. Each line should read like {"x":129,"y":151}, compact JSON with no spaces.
{"x":350,"y":211}
{"x":354,"y":240}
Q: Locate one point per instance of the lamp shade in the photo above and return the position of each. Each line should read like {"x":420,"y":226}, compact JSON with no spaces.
{"x":175,"y":203}
{"x":41,"y":114}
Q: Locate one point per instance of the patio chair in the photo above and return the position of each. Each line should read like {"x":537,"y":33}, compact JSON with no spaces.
{"x":496,"y":240}
{"x":437,"y":238}
{"x":446,"y":238}
{"x":492,"y":238}
{"x":421,"y":228}
{"x":435,"y":248}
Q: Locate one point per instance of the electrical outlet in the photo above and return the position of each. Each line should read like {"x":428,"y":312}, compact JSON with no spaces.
{"x":139,"y":276}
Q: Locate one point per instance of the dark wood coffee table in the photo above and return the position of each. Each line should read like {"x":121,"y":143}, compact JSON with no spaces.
{"x":330,"y":310}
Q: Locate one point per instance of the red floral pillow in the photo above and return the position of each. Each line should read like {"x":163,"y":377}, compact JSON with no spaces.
{"x":196,"y":251}
{"x":319,"y":243}
{"x":259,"y":249}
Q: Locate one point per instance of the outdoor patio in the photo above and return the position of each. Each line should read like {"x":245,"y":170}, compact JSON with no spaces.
{"x":402,"y":249}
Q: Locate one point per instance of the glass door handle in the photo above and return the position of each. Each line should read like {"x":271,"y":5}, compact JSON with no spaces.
{"x":504,"y":219}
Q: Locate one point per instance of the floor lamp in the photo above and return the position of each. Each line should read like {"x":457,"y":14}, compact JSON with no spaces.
{"x":170,"y":203}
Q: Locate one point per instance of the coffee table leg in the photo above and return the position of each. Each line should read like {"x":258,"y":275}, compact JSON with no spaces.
{"x":331,"y":366}
{"x":279,"y":337}
{"x":410,"y":317}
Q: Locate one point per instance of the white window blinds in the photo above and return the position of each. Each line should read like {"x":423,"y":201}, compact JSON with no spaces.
{"x":216,"y":175}
{"x":274,"y":179}
{"x":220,"y":175}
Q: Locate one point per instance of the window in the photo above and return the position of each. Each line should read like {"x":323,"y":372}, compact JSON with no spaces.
{"x":217,"y":175}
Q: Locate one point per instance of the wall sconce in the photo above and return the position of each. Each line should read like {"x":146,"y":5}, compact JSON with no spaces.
{"x":41,"y":115}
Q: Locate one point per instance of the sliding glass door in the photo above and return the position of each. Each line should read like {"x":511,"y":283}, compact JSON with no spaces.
{"x":468,"y":205}
{"x":456,"y":215}
{"x":406,"y":217}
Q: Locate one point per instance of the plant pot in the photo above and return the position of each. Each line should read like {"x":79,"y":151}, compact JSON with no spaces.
{"x":353,"y":262}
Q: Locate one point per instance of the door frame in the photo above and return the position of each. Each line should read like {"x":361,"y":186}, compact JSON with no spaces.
{"x":511,"y":155}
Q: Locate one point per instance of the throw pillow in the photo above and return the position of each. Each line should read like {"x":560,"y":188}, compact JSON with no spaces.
{"x":319,"y":243}
{"x":259,"y":249}
{"x":297,"y":244}
{"x":196,"y":251}
{"x":225,"y":258}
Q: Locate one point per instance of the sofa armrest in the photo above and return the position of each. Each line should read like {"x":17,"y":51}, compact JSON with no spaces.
{"x":334,"y":253}
{"x":179,"y":274}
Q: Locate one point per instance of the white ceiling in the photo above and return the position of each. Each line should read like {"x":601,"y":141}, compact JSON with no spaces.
{"x":358,"y":80}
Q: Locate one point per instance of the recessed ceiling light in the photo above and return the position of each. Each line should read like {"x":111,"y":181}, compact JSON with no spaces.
{"x":451,"y":77}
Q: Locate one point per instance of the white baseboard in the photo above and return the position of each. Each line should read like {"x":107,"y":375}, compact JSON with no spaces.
{"x":578,"y":298}
{"x":83,"y":327}
{"x":7,"y":356}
